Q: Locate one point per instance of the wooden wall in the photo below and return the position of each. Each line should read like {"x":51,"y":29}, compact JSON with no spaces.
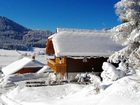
{"x":28,"y":70}
{"x":49,"y":47}
{"x":93,"y":64}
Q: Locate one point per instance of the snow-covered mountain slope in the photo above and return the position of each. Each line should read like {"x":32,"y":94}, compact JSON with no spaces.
{"x":16,"y":36}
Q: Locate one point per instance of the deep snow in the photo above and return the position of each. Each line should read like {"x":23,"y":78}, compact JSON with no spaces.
{"x":124,"y":90}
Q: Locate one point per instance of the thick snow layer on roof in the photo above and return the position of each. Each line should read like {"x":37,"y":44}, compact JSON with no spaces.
{"x":84,"y":43}
{"x":19,"y":64}
{"x":43,"y":69}
{"x":34,"y":63}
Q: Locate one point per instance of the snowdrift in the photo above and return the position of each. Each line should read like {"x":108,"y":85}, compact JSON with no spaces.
{"x":125,"y":91}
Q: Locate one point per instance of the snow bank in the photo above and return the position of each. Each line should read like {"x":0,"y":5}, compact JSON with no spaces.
{"x":110,"y":73}
{"x":125,"y":91}
{"x":49,"y":95}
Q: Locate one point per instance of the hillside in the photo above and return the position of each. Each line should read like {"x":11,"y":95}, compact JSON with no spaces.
{"x":16,"y":36}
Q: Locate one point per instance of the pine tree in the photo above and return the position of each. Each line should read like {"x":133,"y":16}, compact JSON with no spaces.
{"x":128,"y":33}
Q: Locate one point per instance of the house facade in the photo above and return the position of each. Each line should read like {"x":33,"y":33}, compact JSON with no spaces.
{"x":73,"y":50}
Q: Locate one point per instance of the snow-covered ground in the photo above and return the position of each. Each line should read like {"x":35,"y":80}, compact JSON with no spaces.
{"x":8,"y":56}
{"x":125,"y":91}
{"x":115,"y":89}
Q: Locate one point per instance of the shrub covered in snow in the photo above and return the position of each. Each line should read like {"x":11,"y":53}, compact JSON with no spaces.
{"x":128,"y":33}
{"x":111,"y":73}
{"x":86,"y":78}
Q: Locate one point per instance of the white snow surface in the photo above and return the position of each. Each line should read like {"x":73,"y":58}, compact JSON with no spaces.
{"x":111,"y":73}
{"x":43,"y":69}
{"x":9,"y":56}
{"x":125,"y":91}
{"x":19,"y":64}
{"x":84,"y":43}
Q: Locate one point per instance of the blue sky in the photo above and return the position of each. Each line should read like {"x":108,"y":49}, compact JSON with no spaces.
{"x":50,"y":14}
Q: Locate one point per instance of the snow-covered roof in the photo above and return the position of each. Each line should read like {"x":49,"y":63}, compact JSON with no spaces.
{"x":19,"y":64}
{"x":72,"y":42}
{"x":43,"y":69}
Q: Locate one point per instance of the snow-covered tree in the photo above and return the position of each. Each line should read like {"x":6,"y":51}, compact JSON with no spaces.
{"x":128,"y":33}
{"x":128,"y":10}
{"x":129,"y":13}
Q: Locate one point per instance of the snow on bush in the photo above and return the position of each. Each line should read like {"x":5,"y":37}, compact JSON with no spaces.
{"x":110,"y":73}
{"x":131,"y":54}
{"x":90,"y":79}
{"x":87,"y":78}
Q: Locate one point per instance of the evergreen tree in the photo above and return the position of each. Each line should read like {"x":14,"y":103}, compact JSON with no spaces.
{"x":128,"y":33}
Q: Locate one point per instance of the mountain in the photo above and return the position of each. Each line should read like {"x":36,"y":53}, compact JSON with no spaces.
{"x":36,"y":38}
{"x":16,"y":36}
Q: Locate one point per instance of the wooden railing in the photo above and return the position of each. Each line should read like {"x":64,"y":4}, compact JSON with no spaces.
{"x":57,"y":67}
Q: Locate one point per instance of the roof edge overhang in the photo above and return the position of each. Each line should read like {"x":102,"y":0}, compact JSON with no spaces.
{"x":82,"y":57}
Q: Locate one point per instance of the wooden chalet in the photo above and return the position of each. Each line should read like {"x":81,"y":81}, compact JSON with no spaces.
{"x":21,"y":66}
{"x":72,"y":50}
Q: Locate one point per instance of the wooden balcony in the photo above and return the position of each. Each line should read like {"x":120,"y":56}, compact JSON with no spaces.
{"x":57,"y":67}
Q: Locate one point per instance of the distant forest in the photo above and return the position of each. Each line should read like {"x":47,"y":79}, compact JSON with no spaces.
{"x":17,"y":37}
